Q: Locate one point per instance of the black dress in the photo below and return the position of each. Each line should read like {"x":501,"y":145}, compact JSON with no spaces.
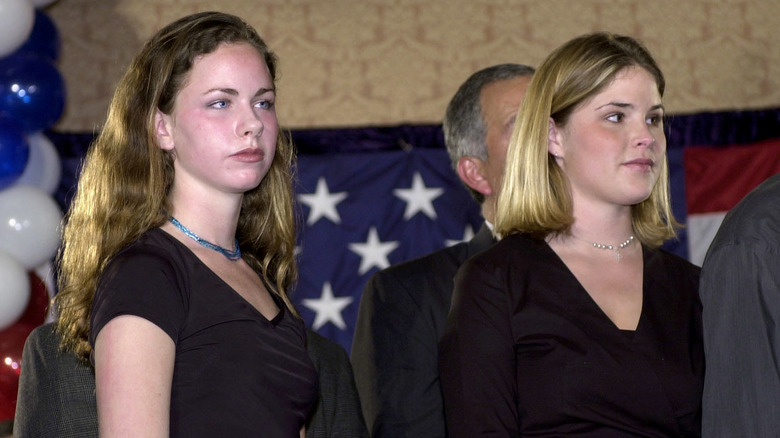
{"x":527,"y":352}
{"x":236,"y":373}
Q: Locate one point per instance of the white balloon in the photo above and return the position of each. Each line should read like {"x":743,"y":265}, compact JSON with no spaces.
{"x":16,"y":23}
{"x":44,"y":168}
{"x":29,"y":225}
{"x":41,"y":3}
{"x":14,"y":290}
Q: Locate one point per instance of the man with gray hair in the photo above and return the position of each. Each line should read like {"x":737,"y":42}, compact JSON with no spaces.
{"x":403,"y":308}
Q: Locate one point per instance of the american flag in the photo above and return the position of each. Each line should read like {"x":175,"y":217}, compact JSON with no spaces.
{"x":362,"y":212}
{"x":716,"y":180}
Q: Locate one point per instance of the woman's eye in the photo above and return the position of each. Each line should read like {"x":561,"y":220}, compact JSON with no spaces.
{"x":219,"y":104}
{"x":654,"y":120}
{"x":617,"y":117}
{"x":264,"y":104}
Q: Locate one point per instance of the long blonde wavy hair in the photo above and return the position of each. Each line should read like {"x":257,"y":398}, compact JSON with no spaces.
{"x":535,"y":197}
{"x":124,"y":184}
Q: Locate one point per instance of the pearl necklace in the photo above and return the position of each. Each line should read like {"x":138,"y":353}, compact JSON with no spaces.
{"x":615,"y":248}
{"x":231,"y":255}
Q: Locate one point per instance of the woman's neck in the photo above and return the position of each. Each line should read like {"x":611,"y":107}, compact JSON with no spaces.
{"x":213,"y":218}
{"x":608,"y":226}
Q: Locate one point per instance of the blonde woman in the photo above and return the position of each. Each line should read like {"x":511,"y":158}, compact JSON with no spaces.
{"x":575,"y":323}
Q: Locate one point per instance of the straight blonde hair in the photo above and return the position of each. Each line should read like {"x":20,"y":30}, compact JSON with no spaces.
{"x":535,"y":197}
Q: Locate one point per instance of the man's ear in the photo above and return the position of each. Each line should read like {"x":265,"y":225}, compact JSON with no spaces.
{"x":470,"y":171}
{"x":163,"y":130}
{"x":554,"y":142}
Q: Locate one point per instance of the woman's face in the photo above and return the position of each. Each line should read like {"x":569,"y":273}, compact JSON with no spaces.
{"x":222,"y":131}
{"x":613,"y":145}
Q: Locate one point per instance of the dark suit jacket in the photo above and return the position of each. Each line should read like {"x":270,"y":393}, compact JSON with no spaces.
{"x":337,"y":413}
{"x":57,"y":393}
{"x":740,"y":291}
{"x":394,"y":352}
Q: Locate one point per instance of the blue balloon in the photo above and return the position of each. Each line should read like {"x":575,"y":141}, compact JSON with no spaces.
{"x":44,"y":40}
{"x":14,"y":152}
{"x":32,"y":91}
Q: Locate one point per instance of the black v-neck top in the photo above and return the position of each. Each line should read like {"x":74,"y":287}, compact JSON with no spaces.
{"x":236,"y":373}
{"x":528,"y":352}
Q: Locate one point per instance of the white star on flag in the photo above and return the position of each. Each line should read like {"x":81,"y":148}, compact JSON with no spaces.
{"x":328,"y":308}
{"x":322,"y":203}
{"x":419,"y":198}
{"x":468,"y":234}
{"x":373,"y":252}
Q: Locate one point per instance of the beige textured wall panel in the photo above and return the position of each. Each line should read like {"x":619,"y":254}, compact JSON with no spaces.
{"x":347,"y":63}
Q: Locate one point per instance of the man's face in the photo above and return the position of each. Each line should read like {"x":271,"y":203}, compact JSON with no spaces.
{"x":500,"y":102}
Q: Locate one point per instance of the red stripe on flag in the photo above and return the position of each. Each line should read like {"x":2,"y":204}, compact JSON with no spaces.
{"x":717,"y":178}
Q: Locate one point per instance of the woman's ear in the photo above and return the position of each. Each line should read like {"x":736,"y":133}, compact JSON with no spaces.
{"x":163,"y":129}
{"x":554,"y":140}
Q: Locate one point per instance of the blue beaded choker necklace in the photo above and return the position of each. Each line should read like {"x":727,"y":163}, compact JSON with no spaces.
{"x":231,"y":255}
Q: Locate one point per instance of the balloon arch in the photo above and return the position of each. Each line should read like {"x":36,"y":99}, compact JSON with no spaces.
{"x":32,"y":99}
